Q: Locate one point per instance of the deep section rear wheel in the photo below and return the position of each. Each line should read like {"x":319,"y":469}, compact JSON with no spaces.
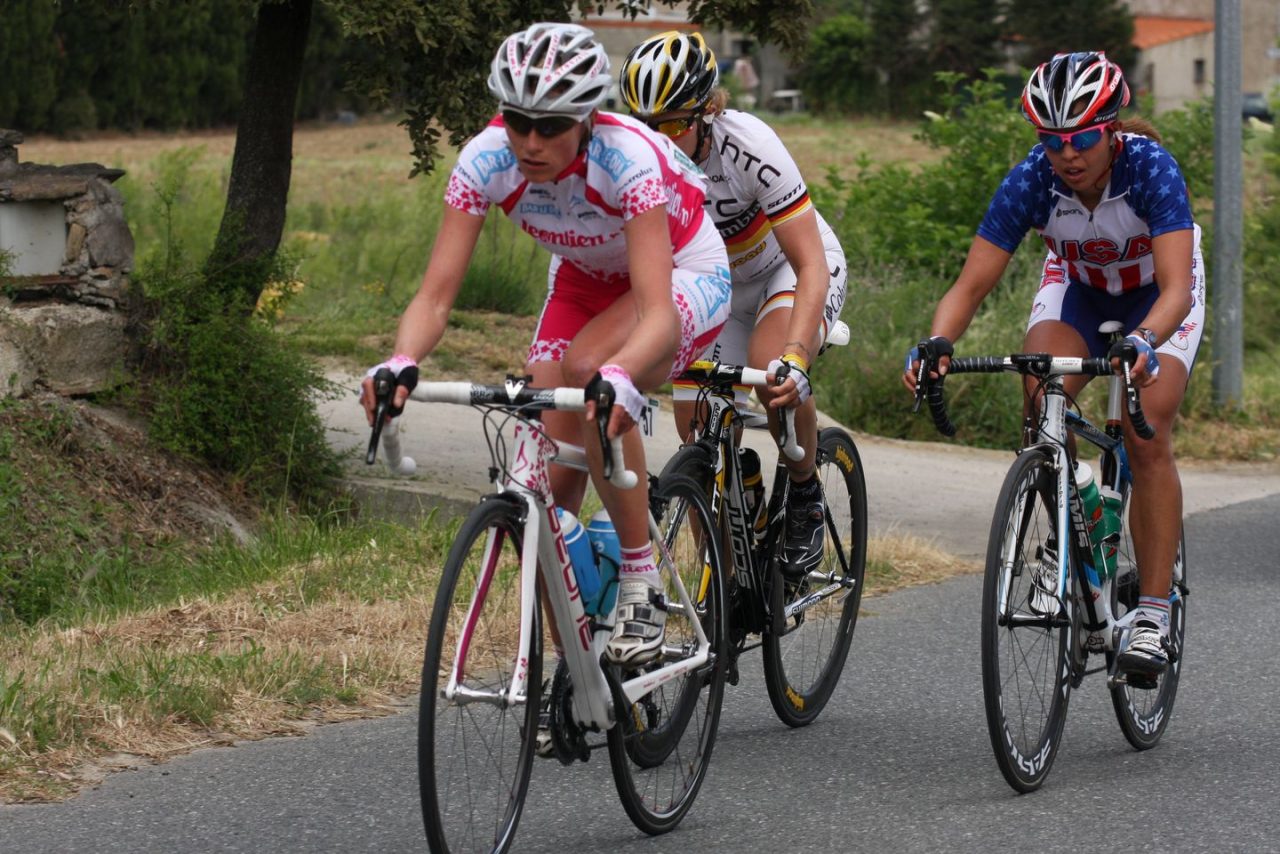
{"x":803,"y":664}
{"x":474,"y":756}
{"x":1026,"y":668}
{"x":661,"y":745}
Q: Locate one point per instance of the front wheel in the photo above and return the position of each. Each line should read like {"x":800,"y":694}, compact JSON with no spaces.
{"x":1144,"y":711}
{"x":803,"y":663}
{"x":475,"y":751}
{"x":661,"y":745}
{"x":1026,"y":629}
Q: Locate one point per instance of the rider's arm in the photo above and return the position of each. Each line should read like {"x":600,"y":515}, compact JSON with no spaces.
{"x":648,"y":350}
{"x":1172,"y":255}
{"x":982,"y":270}
{"x":801,"y":242}
{"x":424,"y":319}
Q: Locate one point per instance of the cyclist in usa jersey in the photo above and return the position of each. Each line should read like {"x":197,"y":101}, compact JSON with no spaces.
{"x":788,"y":269}
{"x":1113,"y":211}
{"x":638,"y":279}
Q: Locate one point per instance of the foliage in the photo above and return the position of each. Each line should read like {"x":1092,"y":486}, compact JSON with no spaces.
{"x":220,"y":385}
{"x":923,"y":219}
{"x":75,"y":66}
{"x":433,"y":58}
{"x":964,"y":36}
{"x":1048,"y":28}
{"x":837,"y":75}
{"x":1262,"y":258}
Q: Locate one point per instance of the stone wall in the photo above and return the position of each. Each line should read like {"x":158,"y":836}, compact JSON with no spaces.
{"x":64,"y":329}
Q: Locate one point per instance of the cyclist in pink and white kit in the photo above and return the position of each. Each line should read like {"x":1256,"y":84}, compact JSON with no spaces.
{"x":639,"y":278}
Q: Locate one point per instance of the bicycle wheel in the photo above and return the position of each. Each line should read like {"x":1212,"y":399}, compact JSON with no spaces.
{"x":1143,"y":713}
{"x":803,"y":664}
{"x":1026,"y":670}
{"x":661,"y":746}
{"x":474,"y":757}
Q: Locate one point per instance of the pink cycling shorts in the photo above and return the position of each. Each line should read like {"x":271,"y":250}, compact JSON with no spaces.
{"x":701,"y":300}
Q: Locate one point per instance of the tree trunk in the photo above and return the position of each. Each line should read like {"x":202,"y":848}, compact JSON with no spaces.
{"x":258,"y":193}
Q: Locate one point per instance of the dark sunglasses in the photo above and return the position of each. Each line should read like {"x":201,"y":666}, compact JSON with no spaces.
{"x":1080,"y":140}
{"x":546,"y":126}
{"x":671,"y":127}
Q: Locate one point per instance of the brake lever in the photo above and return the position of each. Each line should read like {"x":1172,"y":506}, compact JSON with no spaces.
{"x":384,"y":386}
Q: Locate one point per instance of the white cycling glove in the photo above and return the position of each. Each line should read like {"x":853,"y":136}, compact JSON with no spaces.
{"x":798,"y":373}
{"x":625,"y":392}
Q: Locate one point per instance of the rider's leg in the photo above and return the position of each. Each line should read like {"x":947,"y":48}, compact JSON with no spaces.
{"x":1155,"y":516}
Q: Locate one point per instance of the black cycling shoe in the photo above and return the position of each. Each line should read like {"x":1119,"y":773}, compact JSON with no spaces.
{"x":806,"y":519}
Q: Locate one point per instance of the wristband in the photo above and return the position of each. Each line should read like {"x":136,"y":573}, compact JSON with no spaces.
{"x":796,"y":360}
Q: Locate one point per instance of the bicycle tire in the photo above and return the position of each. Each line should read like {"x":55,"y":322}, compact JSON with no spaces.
{"x":660,"y":747}
{"x":1026,"y":669}
{"x":475,"y":758}
{"x":1144,"y":714}
{"x":803,"y":665}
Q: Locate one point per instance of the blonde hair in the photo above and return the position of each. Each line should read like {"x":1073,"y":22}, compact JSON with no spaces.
{"x":719,"y":100}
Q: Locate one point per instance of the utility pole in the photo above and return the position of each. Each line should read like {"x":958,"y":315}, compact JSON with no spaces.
{"x":1227,"y":290}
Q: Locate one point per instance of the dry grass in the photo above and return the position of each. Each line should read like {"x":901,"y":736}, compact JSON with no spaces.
{"x":331,"y":160}
{"x":257,"y":663}
{"x":907,"y":561}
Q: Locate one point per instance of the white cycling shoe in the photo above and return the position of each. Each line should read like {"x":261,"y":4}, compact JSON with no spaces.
{"x":640,"y":628}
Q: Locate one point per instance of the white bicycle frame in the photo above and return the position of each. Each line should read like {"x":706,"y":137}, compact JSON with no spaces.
{"x":526,"y":478}
{"x":1054,"y":425}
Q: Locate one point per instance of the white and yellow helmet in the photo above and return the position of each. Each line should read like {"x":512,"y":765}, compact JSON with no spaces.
{"x":551,"y":68}
{"x":670,"y":71}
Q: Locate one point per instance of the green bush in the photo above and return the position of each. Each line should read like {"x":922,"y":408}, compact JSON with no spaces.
{"x":220,"y":385}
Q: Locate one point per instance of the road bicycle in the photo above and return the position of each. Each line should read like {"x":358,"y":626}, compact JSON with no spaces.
{"x":804,"y":626}
{"x":485,"y":668}
{"x":1033,"y":656}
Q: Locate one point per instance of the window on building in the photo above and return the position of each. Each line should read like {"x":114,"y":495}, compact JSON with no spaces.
{"x":1149,"y":78}
{"x":1198,"y":73}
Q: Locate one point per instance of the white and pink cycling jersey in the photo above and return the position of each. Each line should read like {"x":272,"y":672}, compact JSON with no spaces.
{"x":625,"y":171}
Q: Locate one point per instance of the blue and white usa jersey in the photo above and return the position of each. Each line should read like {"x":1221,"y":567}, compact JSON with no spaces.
{"x":1108,"y":248}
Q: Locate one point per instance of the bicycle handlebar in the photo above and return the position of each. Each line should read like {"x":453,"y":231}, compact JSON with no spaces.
{"x":723,"y":378}
{"x":1027,"y":364}
{"x":514,"y":395}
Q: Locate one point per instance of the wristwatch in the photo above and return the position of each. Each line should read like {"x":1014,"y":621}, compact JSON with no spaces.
{"x":1151,"y":337}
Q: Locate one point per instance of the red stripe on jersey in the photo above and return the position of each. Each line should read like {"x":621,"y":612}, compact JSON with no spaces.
{"x":593,"y":195}
{"x":1130,"y":276}
{"x":509,"y":203}
{"x":1097,"y":278}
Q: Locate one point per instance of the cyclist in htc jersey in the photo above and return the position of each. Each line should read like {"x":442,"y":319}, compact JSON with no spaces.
{"x":1113,"y":210}
{"x":638,"y":280}
{"x":788,"y":269}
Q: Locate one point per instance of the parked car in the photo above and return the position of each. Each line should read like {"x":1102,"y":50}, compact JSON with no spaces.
{"x":1257,"y":107}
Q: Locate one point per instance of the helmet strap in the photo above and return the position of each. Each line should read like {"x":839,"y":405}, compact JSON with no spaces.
{"x":704,"y":136}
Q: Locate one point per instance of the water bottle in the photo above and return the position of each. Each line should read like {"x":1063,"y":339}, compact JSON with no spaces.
{"x":580,"y":555}
{"x":608,"y":553}
{"x":752,"y":486}
{"x":1094,"y":516}
{"x":1108,"y":531}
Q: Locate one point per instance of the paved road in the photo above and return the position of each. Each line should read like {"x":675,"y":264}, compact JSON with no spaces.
{"x":899,"y":761}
